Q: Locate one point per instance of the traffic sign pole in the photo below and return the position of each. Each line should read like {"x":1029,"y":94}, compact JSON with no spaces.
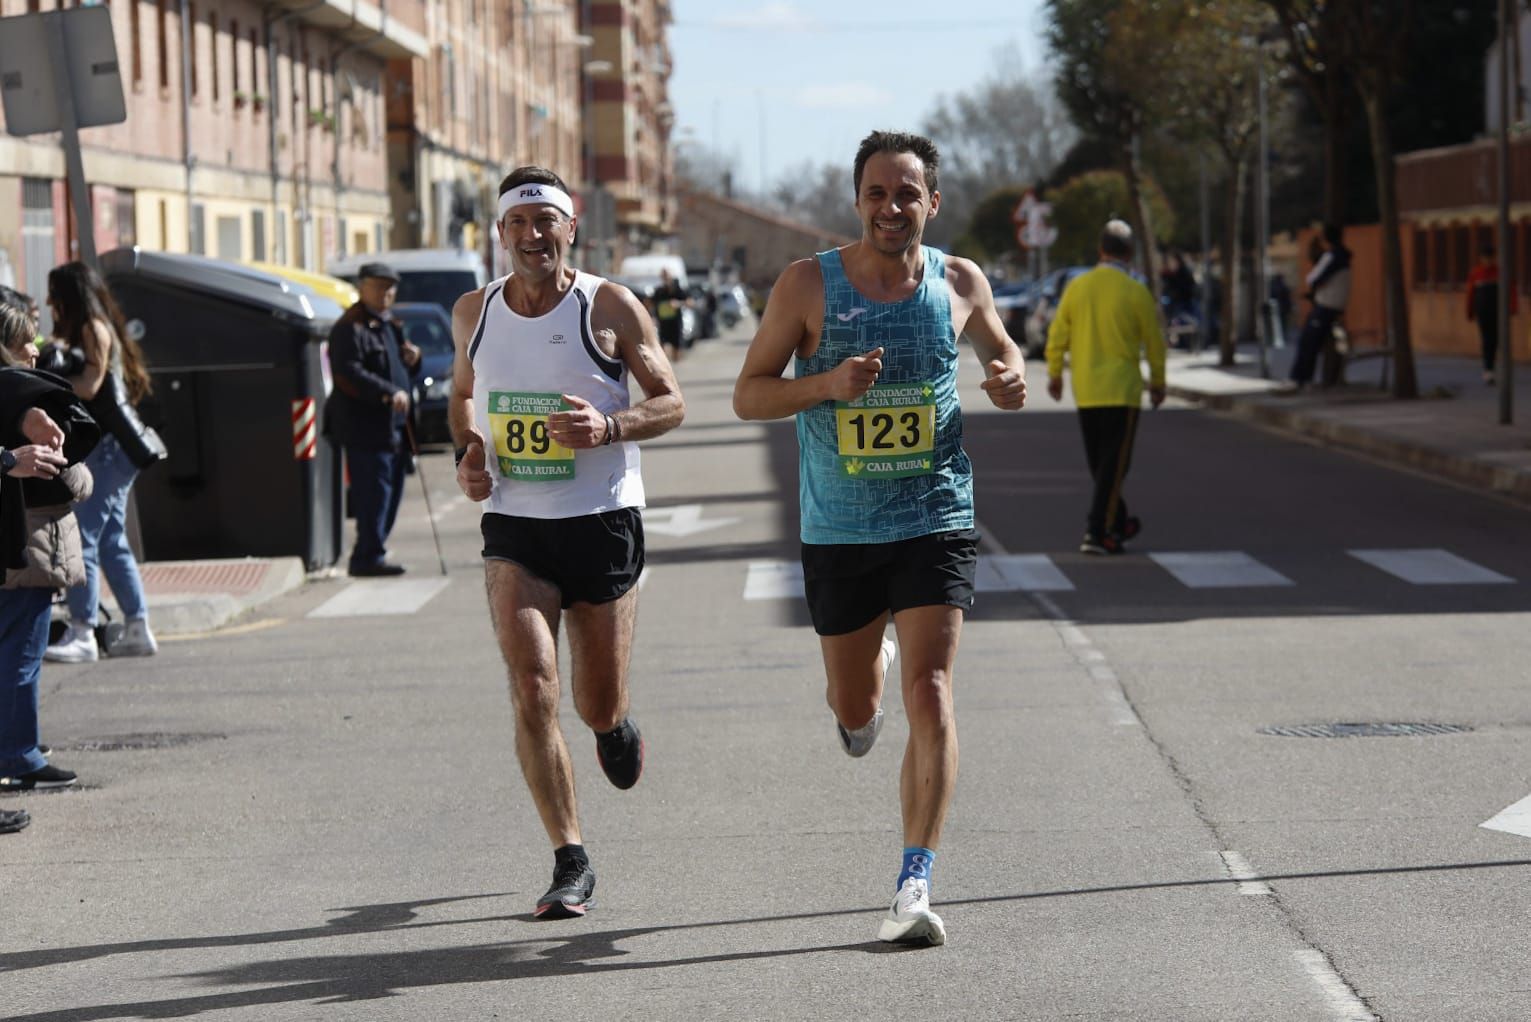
{"x":74,"y":162}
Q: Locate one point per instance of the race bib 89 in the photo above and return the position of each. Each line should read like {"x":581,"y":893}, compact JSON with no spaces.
{"x":889,"y":432}
{"x":522,"y":445}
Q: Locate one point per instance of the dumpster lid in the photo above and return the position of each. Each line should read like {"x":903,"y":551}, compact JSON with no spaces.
{"x":230,"y":281}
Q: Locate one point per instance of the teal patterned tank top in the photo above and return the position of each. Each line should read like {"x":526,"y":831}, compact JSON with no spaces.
{"x":889,"y":466}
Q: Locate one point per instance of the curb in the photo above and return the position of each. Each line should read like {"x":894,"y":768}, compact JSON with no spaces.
{"x":1477,"y":473}
{"x":197,"y":612}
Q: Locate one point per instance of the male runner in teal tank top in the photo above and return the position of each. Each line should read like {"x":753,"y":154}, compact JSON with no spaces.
{"x":886,"y":491}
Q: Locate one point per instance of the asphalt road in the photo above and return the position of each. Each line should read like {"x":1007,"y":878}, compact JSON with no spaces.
{"x":317,"y":813}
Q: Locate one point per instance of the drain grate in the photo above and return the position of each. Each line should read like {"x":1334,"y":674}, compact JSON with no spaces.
{"x":1364,"y":730}
{"x":135,"y":742}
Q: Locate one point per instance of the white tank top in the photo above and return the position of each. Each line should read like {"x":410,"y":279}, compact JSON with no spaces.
{"x":520,"y":367}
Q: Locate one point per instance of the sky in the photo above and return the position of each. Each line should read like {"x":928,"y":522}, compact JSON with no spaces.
{"x":773,"y":84}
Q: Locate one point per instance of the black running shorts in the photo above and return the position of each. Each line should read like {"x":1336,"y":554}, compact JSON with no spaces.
{"x":591,"y":559}
{"x":849,"y":585}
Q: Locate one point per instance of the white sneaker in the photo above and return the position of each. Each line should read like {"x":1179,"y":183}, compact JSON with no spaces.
{"x":910,"y":920}
{"x":136,"y":639}
{"x":76,"y":646}
{"x":859,"y":742}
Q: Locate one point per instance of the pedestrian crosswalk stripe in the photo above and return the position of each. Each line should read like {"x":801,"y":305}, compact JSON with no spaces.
{"x":1219,"y":569}
{"x":1007,"y":573}
{"x":1429,"y":567}
{"x":376,"y":597}
{"x":774,"y":580}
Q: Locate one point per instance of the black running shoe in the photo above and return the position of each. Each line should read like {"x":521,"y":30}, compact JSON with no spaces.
{"x":572,"y":893}
{"x":621,"y":754}
{"x":43,"y":777}
{"x":12,"y":820}
{"x":1131,"y":527}
{"x":1100,"y":546}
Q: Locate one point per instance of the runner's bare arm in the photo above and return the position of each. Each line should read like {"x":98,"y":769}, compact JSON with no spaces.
{"x":617,"y":311}
{"x":465,"y":315}
{"x":788,"y":327}
{"x":1003,"y":361}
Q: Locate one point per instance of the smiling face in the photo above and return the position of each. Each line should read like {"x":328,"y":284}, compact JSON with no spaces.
{"x":537,"y":239}
{"x":894,"y":203}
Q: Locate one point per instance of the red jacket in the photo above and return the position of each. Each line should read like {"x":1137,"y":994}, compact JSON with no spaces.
{"x":1485,"y":274}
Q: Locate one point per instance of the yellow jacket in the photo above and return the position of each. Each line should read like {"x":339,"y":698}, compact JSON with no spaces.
{"x":1105,"y":323}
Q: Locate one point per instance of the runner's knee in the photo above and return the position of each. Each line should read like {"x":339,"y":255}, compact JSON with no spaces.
{"x":928,"y":701}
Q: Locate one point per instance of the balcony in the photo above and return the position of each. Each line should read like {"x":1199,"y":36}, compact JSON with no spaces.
{"x":366,"y":25}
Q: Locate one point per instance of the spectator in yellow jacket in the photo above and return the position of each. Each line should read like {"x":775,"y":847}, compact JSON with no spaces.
{"x":1105,"y":324}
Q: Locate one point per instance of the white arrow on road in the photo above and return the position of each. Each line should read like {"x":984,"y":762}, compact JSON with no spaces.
{"x":682,"y":520}
{"x":1516,"y":819}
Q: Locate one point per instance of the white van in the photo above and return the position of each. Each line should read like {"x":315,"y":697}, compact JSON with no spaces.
{"x":439,"y":275}
{"x":644,"y":269}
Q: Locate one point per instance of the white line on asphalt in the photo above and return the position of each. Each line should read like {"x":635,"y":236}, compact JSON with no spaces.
{"x":1219,"y":569}
{"x":1344,"y":1003}
{"x":447,"y":508}
{"x":774,"y":580}
{"x":1430,"y":567}
{"x":376,"y":597}
{"x":1092,"y":660}
{"x":1515,"y":819}
{"x":1239,"y":869}
{"x":1003,"y":573}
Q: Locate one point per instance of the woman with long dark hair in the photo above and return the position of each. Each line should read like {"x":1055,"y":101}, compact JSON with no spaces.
{"x":112,"y":382}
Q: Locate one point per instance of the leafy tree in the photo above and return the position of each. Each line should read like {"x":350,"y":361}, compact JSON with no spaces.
{"x":991,"y":229}
{"x":1082,"y":206}
{"x":820,"y":194}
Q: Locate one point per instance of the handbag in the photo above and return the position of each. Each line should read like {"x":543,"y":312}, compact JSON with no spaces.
{"x":117,"y":416}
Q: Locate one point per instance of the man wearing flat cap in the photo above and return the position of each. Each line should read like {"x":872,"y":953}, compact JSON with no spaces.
{"x":373,"y":366}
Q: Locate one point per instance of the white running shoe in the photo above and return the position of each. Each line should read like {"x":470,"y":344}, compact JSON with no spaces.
{"x":136,"y":639}
{"x":910,"y":920}
{"x":76,"y":646}
{"x":859,"y":742}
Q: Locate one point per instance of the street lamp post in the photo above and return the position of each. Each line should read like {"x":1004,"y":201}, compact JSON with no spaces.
{"x":595,"y":205}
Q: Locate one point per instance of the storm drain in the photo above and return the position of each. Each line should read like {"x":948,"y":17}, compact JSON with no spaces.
{"x":135,"y":742}
{"x":1364,"y":730}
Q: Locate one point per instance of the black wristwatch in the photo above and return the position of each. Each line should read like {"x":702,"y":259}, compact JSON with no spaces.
{"x":7,"y":460}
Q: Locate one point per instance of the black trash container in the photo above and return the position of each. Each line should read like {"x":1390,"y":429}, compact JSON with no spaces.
{"x":239,"y":389}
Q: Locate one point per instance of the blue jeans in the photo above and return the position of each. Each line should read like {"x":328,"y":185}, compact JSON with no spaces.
{"x":24,"y":615}
{"x":377,"y":486}
{"x":103,"y":536}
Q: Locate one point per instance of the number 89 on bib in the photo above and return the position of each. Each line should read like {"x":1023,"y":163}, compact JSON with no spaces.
{"x":887,"y":433}
{"x":522,"y":445}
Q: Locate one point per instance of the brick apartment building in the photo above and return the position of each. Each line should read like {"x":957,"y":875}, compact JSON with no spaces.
{"x":297,"y":131}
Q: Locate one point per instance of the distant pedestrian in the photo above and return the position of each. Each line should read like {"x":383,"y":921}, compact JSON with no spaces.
{"x":111,"y":379}
{"x":1483,"y":306}
{"x":1105,"y":325}
{"x":40,"y":477}
{"x":1329,"y":292}
{"x":368,"y":413}
{"x":670,"y":299}
{"x":547,"y":440}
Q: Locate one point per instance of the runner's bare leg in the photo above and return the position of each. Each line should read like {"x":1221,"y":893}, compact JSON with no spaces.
{"x":927,"y":651}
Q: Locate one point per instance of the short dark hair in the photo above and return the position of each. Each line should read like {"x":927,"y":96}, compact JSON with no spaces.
{"x":919,"y":146}
{"x":1116,"y":239}
{"x":1334,"y":233}
{"x":531,"y":174}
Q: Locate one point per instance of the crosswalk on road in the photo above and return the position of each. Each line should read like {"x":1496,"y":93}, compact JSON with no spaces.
{"x":1202,"y":569}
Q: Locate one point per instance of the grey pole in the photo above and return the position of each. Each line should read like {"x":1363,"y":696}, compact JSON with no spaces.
{"x":1506,"y":359}
{"x":74,"y":162}
{"x":1204,"y":329}
{"x":1262,"y":221}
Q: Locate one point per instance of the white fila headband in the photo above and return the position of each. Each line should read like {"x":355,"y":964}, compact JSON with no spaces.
{"x":536,"y":194}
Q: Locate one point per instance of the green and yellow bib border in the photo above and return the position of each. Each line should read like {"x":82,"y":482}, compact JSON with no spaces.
{"x":888,"y":433}
{"x":522,"y":446}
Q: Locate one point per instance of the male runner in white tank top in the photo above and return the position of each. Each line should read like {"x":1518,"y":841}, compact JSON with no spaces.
{"x":546,"y":439}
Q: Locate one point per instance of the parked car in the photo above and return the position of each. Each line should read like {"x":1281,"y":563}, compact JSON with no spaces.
{"x":1014,"y":301}
{"x":439,"y":275}
{"x":429,"y":328}
{"x":1048,"y":293}
{"x":733,"y":304}
{"x":706,"y":308}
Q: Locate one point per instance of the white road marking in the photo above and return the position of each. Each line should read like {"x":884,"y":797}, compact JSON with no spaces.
{"x":774,"y":580}
{"x":1430,"y":567}
{"x":1515,"y":819}
{"x":1093,"y":661}
{"x":447,"y":508}
{"x":1344,"y":1004}
{"x":1219,"y":569}
{"x":1239,"y":869}
{"x":1004,"y":573}
{"x":682,"y":520}
{"x":377,"y":596}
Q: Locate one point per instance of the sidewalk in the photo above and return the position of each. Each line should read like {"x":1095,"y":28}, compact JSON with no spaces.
{"x":1451,"y":431}
{"x":192,"y":597}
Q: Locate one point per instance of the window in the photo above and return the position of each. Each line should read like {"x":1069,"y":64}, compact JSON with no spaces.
{"x":198,"y":228}
{"x":135,"y":35}
{"x":212,"y":50}
{"x":258,"y":235}
{"x":1440,"y":260}
{"x":127,"y":216}
{"x":1525,"y":257}
{"x":1461,"y":254}
{"x":162,"y":30}
{"x":191,"y":38}
{"x":1421,"y":257}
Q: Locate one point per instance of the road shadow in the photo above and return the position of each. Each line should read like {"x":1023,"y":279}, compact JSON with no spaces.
{"x":552,"y":953}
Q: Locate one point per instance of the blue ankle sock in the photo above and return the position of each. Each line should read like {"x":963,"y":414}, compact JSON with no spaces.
{"x":917,"y":863}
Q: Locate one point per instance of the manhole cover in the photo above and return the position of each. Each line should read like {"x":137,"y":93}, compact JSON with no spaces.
{"x":1363,"y":730}
{"x":151,"y":740}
